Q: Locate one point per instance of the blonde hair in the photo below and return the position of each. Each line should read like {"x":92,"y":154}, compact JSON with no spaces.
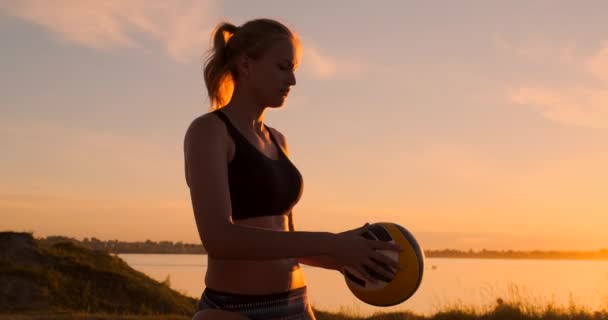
{"x":252,"y":38}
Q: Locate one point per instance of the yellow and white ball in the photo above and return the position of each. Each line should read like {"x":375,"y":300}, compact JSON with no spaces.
{"x":389,"y":292}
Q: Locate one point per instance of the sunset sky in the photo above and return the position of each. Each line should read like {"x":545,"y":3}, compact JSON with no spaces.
{"x":474,"y":124}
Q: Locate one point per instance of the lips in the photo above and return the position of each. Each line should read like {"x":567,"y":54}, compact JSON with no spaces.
{"x":284,"y":92}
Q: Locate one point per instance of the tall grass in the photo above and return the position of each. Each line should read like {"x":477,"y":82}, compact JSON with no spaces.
{"x":500,"y":311}
{"x":516,"y":303}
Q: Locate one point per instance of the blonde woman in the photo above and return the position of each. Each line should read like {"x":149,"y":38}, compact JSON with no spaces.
{"x":244,"y":187}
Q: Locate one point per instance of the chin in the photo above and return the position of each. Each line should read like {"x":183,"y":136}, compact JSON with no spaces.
{"x":277,"y":104}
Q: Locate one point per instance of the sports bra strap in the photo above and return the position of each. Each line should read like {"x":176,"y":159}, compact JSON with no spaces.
{"x":233,"y":131}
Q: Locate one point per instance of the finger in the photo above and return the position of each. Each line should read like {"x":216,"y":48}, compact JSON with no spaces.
{"x":364,"y":231}
{"x":385,"y":267}
{"x":385,"y":261}
{"x":385,"y":245}
{"x":363,"y":272}
{"x":364,"y":227}
{"x":377,"y":272}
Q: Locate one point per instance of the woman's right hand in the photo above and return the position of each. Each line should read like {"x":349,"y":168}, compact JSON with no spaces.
{"x":350,"y":249}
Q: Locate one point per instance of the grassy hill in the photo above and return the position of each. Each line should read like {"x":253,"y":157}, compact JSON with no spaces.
{"x":66,"y":277}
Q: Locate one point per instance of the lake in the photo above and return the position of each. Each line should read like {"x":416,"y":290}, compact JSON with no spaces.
{"x":446,"y":282}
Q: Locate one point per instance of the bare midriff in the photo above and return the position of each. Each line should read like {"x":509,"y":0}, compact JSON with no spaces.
{"x":256,"y":277}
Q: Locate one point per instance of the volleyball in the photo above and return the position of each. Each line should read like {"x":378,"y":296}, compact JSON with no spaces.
{"x":389,"y":292}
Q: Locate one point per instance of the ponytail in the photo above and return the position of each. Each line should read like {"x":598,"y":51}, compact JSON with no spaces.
{"x":217,"y":73}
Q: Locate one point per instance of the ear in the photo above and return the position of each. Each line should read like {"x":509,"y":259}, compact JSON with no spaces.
{"x":243,"y":65}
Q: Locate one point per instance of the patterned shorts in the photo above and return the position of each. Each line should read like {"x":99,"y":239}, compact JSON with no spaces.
{"x":290,"y":305}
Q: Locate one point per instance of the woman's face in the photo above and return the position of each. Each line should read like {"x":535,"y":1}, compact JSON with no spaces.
{"x":272,"y":75}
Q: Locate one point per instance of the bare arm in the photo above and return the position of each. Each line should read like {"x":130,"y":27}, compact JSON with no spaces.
{"x":249,"y":243}
{"x":206,"y":161}
{"x":321,"y":261}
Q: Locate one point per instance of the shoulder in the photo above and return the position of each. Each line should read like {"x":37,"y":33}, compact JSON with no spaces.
{"x":281,"y":140}
{"x":206,"y":145}
{"x":207,"y":131}
{"x":207,"y":125}
{"x":205,"y":122}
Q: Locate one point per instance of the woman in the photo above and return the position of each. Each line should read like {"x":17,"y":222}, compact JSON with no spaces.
{"x":243,"y":186}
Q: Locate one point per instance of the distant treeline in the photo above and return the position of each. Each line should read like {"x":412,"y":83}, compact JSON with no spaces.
{"x":116,"y":246}
{"x":512,"y":254}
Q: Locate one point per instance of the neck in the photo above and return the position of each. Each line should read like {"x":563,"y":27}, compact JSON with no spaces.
{"x":245,"y":112}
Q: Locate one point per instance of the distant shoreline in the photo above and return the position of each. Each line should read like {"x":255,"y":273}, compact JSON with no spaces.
{"x":168,"y":247}
{"x":433,"y":256}
{"x":519,"y":255}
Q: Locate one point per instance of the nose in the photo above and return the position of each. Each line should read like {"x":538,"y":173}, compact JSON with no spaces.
{"x":292,"y":79}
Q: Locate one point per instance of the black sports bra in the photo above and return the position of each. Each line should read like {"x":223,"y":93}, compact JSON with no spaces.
{"x":260,"y":186}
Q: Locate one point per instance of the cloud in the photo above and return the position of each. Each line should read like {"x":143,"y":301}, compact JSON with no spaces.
{"x":582,"y":101}
{"x":598,"y":63}
{"x":321,"y":65}
{"x":585,"y":107}
{"x":325,"y":66}
{"x":182,"y":27}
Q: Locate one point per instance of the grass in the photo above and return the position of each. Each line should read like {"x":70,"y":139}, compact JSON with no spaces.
{"x":501,"y":311}
{"x":70,"y":278}
{"x":88,"y":316}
